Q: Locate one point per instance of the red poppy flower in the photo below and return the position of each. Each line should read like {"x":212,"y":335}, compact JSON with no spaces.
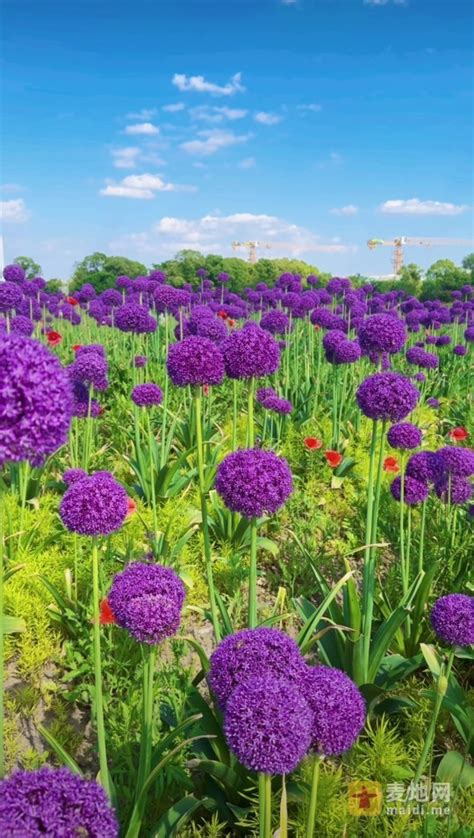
{"x":205,"y":389}
{"x":72,"y":301}
{"x":312,"y":443}
{"x":222,"y":314}
{"x":53,"y":338}
{"x":76,"y":346}
{"x":131,"y":507}
{"x":230,"y":323}
{"x":458,"y":434}
{"x":106,"y":616}
{"x":391,"y":464}
{"x":334,"y":459}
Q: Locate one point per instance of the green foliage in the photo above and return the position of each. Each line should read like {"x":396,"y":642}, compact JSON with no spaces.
{"x":29,"y":265}
{"x":101,"y":271}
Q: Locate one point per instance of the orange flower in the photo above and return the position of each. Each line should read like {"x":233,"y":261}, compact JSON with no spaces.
{"x":106,"y":616}
{"x":131,"y":507}
{"x":391,"y":464}
{"x":230,"y":322}
{"x":72,"y":301}
{"x":53,"y":338}
{"x":76,"y":346}
{"x":312,"y":443}
{"x":333,"y":458}
{"x":458,"y":434}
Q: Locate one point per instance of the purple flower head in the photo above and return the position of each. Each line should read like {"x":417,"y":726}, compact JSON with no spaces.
{"x":454,"y":490}
{"x":196,"y":361}
{"x":452,"y":618}
{"x":339,"y":351}
{"x":382,"y":333}
{"x":456,"y":461}
{"x":425,"y":466}
{"x":95,"y":505}
{"x":133,"y":317}
{"x":54,"y":802}
{"x":417,"y":356}
{"x":460,"y":350}
{"x":432,"y":402}
{"x":404,"y":436}
{"x":86,"y":292}
{"x":388,"y":396}
{"x":250,"y":352}
{"x":337,"y":706}
{"x":21,"y":325}
{"x":111,"y":297}
{"x":166,"y":298}
{"x":157,"y":276}
{"x":254,"y":482}
{"x":414,"y":491}
{"x":223,"y":277}
{"x":270,"y":400}
{"x":419,"y":376}
{"x":35,"y":401}
{"x":147,"y":395}
{"x":10,"y":296}
{"x":90,"y":368}
{"x":252,"y":652}
{"x":327,"y":320}
{"x":81,"y":408}
{"x":71,"y":475}
{"x":469,"y":334}
{"x":275,"y":322}
{"x":14,"y":273}
{"x":140,"y":361}
{"x":443,"y":340}
{"x":208,"y":327}
{"x":268,"y":724}
{"x":146,"y":599}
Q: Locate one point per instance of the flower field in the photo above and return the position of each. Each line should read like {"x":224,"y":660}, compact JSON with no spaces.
{"x":236,"y":593}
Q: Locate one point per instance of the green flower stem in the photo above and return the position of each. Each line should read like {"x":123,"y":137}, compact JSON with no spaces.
{"x":235,"y":395}
{"x":2,"y":639}
{"x":146,"y":744}
{"x":261,"y":805}
{"x":99,"y":702}
{"x":378,"y":488}
{"x":151,"y":452}
{"x":165,"y":403}
{"x":335,"y":385}
{"x":250,"y":412}
{"x":368,"y":570}
{"x":422,"y":538}
{"x":253,"y":574}
{"x":268,"y":805}
{"x":442,"y":685}
{"x":314,"y":797}
{"x":205,"y":525}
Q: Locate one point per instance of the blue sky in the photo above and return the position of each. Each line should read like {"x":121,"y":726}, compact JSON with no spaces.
{"x":143,"y":127}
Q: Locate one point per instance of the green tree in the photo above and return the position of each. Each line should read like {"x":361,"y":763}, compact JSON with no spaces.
{"x":55,"y":285}
{"x":29,"y":265}
{"x":442,"y":277}
{"x":468,"y":264}
{"x":102,"y":271}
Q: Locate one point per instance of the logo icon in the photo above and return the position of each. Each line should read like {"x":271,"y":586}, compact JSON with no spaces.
{"x":365,"y":798}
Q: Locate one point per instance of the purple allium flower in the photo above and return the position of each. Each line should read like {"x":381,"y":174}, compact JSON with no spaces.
{"x":146,"y":599}
{"x":382,"y":333}
{"x":35,"y":401}
{"x":456,"y":461}
{"x":404,"y":435}
{"x":196,"y":361}
{"x":417,"y":356}
{"x":86,"y":292}
{"x":133,"y":317}
{"x":14,"y":273}
{"x":432,"y":402}
{"x":443,"y":340}
{"x":425,"y":467}
{"x":460,"y":350}
{"x":419,"y":376}
{"x":452,"y":618}
{"x":208,"y":327}
{"x":327,"y":320}
{"x":21,"y":325}
{"x":223,"y":277}
{"x":338,"y":709}
{"x":454,"y":490}
{"x":140,"y":361}
{"x":54,"y":802}
{"x":414,"y":491}
{"x":81,"y":407}
{"x":10,"y":296}
{"x":250,"y":352}
{"x":270,"y":400}
{"x":146,"y":395}
{"x":254,"y":482}
{"x":275,"y":322}
{"x":252,"y":652}
{"x":469,"y":334}
{"x":388,"y":396}
{"x":95,"y":505}
{"x":71,"y":475}
{"x":345,"y":352}
{"x":90,"y":368}
{"x":157,"y":276}
{"x":268,"y":724}
{"x":166,"y":298}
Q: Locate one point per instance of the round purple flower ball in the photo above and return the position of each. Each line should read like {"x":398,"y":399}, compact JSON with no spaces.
{"x":270,"y":400}
{"x":254,"y":482}
{"x":94,"y":505}
{"x":71,"y":475}
{"x":268,"y":725}
{"x":275,"y":322}
{"x":250,"y":352}
{"x":452,"y":618}
{"x":36,"y":401}
{"x":55,"y":803}
{"x":456,"y":461}
{"x":140,"y":361}
{"x":196,"y":361}
{"x":425,"y":466}
{"x":147,"y":395}
{"x":90,"y":368}
{"x":469,"y":334}
{"x":387,"y":396}
{"x":252,"y":652}
{"x":432,"y":402}
{"x":460,"y":350}
{"x":414,"y":491}
{"x":417,"y":356}
{"x":146,"y":600}
{"x":10,"y":296}
{"x":14,"y":273}
{"x":133,"y":317}
{"x":338,"y":709}
{"x":21,"y":325}
{"x":404,"y":435}
{"x":382,"y":333}
{"x":454,"y":490}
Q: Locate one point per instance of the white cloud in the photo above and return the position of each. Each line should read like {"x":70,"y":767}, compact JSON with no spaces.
{"x":385,"y":2}
{"x":265,"y":118}
{"x":14,"y":211}
{"x":349,"y":209}
{"x":142,"y":128}
{"x":214,"y":114}
{"x":212,"y":141}
{"x":214,"y":233}
{"x":198,"y":84}
{"x":288,"y":2}
{"x":247,"y":163}
{"x":142,"y":187}
{"x":413,"y":206}
{"x":175,"y":107}
{"x":125,"y":158}
{"x":144,"y":115}
{"x":313,"y":107}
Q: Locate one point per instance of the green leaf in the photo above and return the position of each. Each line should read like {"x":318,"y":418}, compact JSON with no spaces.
{"x":13,"y":625}
{"x":11,"y":571}
{"x":178,"y":815}
{"x":310,"y":626}
{"x":200,"y":652}
{"x":432,"y":659}
{"x":63,"y":756}
{"x":218,"y":770}
{"x":455,"y":769}
{"x":389,"y":628}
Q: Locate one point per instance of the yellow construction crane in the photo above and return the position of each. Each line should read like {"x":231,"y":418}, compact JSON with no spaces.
{"x":401,"y":241}
{"x":253,"y":246}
